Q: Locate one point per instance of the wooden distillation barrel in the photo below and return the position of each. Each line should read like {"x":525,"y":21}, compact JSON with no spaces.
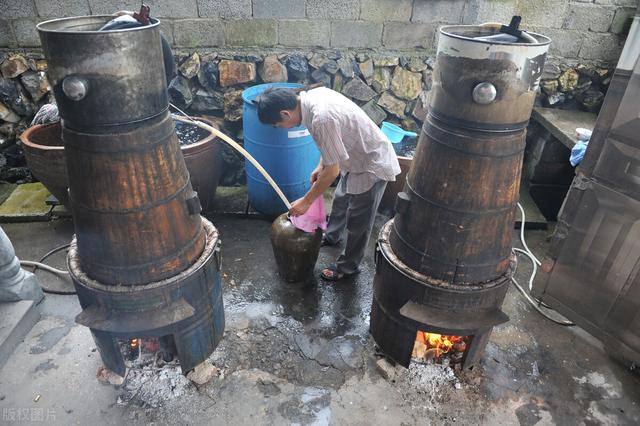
{"x":143,"y":261}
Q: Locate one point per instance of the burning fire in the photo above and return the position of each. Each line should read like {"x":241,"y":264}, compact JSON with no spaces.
{"x":139,"y":347}
{"x":134,"y":348}
{"x":433,"y":346}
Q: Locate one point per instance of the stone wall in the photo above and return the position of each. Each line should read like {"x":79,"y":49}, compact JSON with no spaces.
{"x":585,"y":29}
{"x":388,"y":87}
{"x":379,"y":53}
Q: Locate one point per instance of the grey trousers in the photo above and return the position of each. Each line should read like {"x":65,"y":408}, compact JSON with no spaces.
{"x":355,"y":213}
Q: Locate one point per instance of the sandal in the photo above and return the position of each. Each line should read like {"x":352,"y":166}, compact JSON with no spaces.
{"x":331,"y":273}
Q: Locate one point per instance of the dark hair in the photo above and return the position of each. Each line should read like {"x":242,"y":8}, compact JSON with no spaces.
{"x":274,"y":100}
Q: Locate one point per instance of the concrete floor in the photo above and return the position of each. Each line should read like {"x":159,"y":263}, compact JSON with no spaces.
{"x":302,"y":355}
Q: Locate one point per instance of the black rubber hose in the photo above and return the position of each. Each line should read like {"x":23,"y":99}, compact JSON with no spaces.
{"x":42,"y":259}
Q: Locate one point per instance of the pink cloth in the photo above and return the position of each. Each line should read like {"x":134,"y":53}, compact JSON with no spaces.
{"x":314,"y":218}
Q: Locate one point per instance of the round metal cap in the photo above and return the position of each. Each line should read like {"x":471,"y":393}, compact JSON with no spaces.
{"x":75,"y":88}
{"x":484,"y":93}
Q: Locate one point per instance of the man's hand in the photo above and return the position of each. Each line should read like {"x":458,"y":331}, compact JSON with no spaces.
{"x":299,"y":207}
{"x":314,"y":175}
{"x":316,"y":172}
{"x":323,"y":179}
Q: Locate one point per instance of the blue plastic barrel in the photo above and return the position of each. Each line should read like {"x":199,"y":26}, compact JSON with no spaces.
{"x":288,"y":155}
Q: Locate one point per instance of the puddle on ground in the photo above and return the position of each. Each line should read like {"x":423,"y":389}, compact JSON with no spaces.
{"x":599,"y":381}
{"x":45,"y":366}
{"x":49,"y":338}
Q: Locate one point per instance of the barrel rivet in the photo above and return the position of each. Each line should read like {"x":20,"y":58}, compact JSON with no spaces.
{"x":75,"y":88}
{"x":484,"y":93}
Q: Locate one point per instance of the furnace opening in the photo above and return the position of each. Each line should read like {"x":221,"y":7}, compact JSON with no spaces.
{"x":439,"y":348}
{"x":142,"y":351}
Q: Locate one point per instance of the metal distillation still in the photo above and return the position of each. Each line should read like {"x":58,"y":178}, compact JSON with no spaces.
{"x":443,"y":261}
{"x":143,"y":261}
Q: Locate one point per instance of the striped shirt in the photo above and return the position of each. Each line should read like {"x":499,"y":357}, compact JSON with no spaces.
{"x":346,"y":135}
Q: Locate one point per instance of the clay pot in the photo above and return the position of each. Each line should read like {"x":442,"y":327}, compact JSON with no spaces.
{"x":204,"y":162}
{"x":296,"y":251}
{"x":44,"y":152}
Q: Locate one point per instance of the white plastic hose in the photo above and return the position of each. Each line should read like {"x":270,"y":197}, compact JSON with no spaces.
{"x":235,"y":145}
{"x":45,"y":267}
{"x":524,"y":243}
{"x":535,"y":263}
{"x":535,"y":302}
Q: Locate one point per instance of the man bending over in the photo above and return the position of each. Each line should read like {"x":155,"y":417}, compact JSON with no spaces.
{"x":352,"y":146}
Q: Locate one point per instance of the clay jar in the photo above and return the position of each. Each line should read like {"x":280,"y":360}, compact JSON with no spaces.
{"x":296,"y":251}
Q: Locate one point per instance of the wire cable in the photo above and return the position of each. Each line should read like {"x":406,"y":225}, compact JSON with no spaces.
{"x":533,"y":302}
{"x":533,"y":274}
{"x":51,"y":253}
{"x":44,"y":267}
{"x":62,"y":274}
{"x":535,"y":263}
{"x":522,"y":240}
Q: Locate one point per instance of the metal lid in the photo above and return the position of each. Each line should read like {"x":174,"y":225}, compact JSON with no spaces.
{"x":85,"y":25}
{"x":482,"y":34}
{"x":104,"y":78}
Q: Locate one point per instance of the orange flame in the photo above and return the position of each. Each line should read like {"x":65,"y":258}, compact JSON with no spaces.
{"x":434,"y":346}
{"x":134,"y":343}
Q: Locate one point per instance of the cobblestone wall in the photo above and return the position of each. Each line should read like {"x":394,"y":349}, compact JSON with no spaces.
{"x":387,"y":87}
{"x":379,"y":53}
{"x":585,"y":29}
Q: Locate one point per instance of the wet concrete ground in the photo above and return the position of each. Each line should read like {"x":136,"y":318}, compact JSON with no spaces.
{"x":296,"y":354}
